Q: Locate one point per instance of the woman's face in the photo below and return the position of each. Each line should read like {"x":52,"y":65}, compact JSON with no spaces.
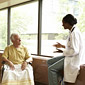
{"x":65,"y":25}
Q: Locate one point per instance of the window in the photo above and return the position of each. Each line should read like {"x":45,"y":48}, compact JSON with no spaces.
{"x":3,"y":29}
{"x":24,"y":21}
{"x":52,"y":14}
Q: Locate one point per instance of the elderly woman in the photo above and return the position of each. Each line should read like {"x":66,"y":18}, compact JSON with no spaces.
{"x":73,"y":55}
{"x":17,"y":71}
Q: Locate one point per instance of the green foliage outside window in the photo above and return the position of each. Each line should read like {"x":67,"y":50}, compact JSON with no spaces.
{"x":20,"y":22}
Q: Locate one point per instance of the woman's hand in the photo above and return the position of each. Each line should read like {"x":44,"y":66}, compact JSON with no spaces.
{"x":58,"y":51}
{"x":58,"y":45}
{"x":24,"y":65}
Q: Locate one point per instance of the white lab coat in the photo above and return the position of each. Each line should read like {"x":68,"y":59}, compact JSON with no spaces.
{"x":74,"y":56}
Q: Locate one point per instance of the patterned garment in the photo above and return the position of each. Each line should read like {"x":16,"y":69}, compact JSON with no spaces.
{"x":17,"y":76}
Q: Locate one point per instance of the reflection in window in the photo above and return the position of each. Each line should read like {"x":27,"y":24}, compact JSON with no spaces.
{"x":24,"y":21}
{"x":52,"y":14}
{"x":3,"y":29}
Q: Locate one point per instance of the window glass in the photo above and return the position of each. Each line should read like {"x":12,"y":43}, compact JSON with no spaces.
{"x":3,"y":29}
{"x":24,"y":21}
{"x":52,"y":14}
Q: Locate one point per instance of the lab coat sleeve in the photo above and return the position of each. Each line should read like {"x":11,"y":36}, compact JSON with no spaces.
{"x":73,"y":48}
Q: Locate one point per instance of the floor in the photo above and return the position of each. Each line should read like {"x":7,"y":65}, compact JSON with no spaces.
{"x":37,"y":83}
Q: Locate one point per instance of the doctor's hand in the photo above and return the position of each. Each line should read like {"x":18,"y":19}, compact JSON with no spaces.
{"x":58,"y":51}
{"x":24,"y":65}
{"x":58,"y":45}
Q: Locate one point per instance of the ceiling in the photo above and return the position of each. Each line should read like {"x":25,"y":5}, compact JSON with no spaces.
{"x":1,"y":1}
{"x":8,"y":3}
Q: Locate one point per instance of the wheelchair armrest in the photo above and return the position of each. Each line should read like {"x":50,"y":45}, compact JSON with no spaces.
{"x":30,"y":63}
{"x":3,"y":62}
{"x":2,"y":70}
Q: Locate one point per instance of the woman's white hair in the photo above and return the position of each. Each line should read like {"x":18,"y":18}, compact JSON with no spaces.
{"x":12,"y":36}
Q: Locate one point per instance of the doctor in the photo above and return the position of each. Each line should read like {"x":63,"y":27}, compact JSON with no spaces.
{"x":74,"y":54}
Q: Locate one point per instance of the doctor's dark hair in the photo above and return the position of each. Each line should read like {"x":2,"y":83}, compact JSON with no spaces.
{"x":70,"y":19}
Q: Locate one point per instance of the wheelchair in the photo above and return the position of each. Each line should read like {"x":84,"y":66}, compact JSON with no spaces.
{"x":2,"y":69}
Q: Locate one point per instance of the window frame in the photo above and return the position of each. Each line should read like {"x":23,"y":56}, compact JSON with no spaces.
{"x":39,"y":23}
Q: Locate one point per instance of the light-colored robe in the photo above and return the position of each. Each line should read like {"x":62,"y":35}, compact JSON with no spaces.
{"x":18,"y":76}
{"x":74,"y":56}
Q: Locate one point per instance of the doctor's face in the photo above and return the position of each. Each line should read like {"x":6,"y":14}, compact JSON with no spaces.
{"x":65,"y":25}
